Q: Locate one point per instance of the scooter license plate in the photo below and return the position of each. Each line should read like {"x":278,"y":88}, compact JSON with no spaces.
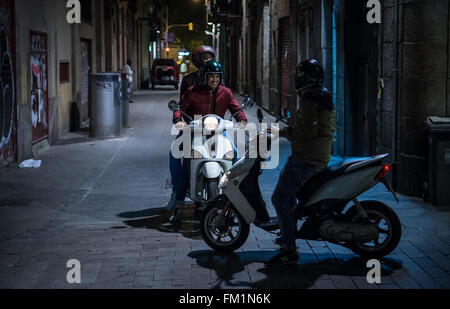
{"x":390,"y":189}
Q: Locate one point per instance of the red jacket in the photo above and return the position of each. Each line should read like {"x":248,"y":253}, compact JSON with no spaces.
{"x":199,"y":100}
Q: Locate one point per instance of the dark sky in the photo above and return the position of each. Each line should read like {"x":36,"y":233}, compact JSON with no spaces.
{"x":186,"y":11}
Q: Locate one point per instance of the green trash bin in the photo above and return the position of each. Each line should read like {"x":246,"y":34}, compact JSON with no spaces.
{"x":439,"y":160}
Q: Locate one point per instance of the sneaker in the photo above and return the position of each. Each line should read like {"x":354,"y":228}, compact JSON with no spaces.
{"x":285,"y":257}
{"x":173,"y":202}
{"x":176,"y":217}
{"x":277,"y":241}
{"x":269,"y":225}
{"x":166,"y":213}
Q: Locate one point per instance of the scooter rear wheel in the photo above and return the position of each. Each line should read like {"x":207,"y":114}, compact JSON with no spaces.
{"x":389,"y":227}
{"x":225,"y":233}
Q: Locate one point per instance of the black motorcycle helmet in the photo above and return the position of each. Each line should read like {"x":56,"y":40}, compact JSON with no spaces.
{"x":212,"y":67}
{"x":309,"y":72}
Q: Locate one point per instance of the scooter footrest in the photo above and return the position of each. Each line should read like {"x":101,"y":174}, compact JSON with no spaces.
{"x":271,"y":228}
{"x":271,"y":225}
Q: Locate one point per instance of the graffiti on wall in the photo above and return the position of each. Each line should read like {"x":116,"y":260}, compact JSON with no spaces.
{"x":37,"y":98}
{"x":38,"y":82}
{"x":7,"y":95}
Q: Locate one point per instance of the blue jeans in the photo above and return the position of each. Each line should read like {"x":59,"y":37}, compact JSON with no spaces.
{"x":179,"y":172}
{"x":293,"y":176}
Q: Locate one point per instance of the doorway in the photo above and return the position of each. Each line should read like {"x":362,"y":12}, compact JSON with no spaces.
{"x":85,"y":62}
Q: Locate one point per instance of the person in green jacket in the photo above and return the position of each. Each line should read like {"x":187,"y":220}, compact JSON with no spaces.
{"x":311,"y":137}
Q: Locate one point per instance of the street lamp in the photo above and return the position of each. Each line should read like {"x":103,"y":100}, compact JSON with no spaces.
{"x":208,"y":8}
{"x":213,"y":34}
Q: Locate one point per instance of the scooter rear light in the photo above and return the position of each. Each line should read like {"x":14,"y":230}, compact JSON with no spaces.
{"x":385,"y":169}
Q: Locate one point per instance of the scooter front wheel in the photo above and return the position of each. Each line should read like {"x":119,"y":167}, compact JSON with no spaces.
{"x":224,"y":231}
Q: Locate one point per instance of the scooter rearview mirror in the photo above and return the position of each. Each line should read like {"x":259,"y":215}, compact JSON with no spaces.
{"x":174,"y":106}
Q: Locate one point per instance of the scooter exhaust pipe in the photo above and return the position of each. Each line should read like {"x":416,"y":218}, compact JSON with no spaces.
{"x":348,"y":232}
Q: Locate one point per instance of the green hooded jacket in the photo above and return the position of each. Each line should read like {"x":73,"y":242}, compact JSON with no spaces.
{"x":315,"y":125}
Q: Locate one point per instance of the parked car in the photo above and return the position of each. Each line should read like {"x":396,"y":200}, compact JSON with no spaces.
{"x":165,"y":72}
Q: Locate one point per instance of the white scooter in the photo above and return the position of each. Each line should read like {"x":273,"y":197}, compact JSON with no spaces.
{"x":212,"y":153}
{"x":368,"y":228}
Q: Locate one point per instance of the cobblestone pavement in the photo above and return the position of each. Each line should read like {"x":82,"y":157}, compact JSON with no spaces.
{"x":101,"y":202}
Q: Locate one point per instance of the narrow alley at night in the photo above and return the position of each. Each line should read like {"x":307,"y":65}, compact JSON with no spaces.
{"x":96,"y":95}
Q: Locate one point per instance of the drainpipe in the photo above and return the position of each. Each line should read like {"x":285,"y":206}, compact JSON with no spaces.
{"x":395,"y":78}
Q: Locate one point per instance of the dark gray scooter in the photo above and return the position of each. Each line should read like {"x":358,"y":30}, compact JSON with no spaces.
{"x":327,"y":202}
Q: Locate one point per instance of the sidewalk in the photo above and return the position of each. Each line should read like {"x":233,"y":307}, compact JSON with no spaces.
{"x":99,"y":201}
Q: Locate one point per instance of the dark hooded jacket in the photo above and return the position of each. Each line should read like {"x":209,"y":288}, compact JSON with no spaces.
{"x":192,"y":79}
{"x":313,"y":132}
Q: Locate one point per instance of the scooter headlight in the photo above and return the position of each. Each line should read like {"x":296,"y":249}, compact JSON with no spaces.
{"x":211,"y":123}
{"x":225,"y":180}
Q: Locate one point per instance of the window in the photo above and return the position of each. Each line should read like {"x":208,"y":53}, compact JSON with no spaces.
{"x":64,"y":72}
{"x":86,"y":11}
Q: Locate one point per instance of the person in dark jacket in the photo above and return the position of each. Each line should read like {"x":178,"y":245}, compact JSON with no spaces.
{"x":211,"y":97}
{"x":311,"y":137}
{"x":200,"y":56}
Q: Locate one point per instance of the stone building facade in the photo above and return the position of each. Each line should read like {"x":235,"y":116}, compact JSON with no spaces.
{"x":51,"y":61}
{"x":385,"y":79}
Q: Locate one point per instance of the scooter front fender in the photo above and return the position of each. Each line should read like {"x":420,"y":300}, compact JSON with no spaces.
{"x":212,"y":170}
{"x":220,"y":200}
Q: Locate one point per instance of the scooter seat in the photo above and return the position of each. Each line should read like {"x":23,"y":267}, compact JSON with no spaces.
{"x":344,"y":164}
{"x":314,"y":183}
{"x":333,"y":171}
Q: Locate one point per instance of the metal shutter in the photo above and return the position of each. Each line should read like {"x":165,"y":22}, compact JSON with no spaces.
{"x":8,"y":116}
{"x":284,"y":59}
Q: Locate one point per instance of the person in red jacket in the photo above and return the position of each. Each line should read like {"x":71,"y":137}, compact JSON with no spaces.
{"x":200,"y":56}
{"x":211,"y":97}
